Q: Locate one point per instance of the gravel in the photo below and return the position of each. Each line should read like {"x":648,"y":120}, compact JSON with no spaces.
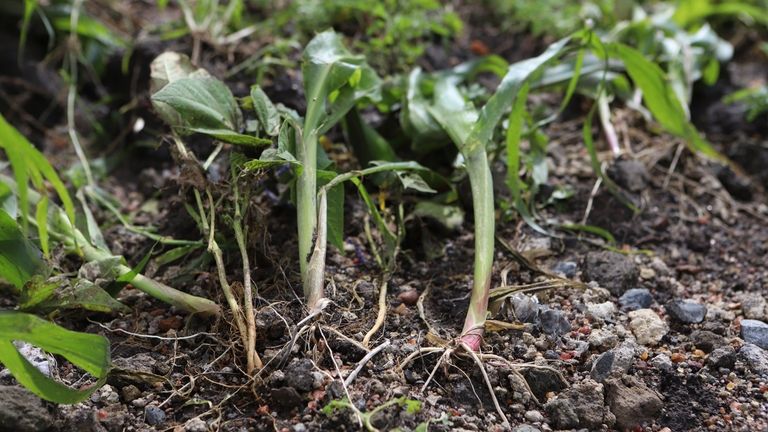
{"x":636,"y":298}
{"x":647,"y":327}
{"x":755,"y":332}
{"x":686,"y":311}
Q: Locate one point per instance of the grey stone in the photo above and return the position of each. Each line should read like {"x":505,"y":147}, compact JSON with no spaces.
{"x":724,"y":357}
{"x":611,"y":270}
{"x":525,"y":308}
{"x":542,"y":381}
{"x":663,"y":363}
{"x":647,"y":327}
{"x":686,"y":311}
{"x":554,"y":322}
{"x":581,"y":406}
{"x":754,"y":306}
{"x":534,"y":416}
{"x":154,"y":415}
{"x":22,"y":411}
{"x":636,"y":298}
{"x":601,"y":311}
{"x":755,"y":357}
{"x":707,"y":341}
{"x":602,"y":339}
{"x":195,"y":424}
{"x":755,"y":332}
{"x":525,"y":428}
{"x":615,"y":362}
{"x":631,"y":402}
{"x":565,"y":268}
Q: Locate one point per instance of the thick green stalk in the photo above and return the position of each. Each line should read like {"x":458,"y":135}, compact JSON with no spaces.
{"x":482,"y":199}
{"x":306,"y":196}
{"x":72,"y":238}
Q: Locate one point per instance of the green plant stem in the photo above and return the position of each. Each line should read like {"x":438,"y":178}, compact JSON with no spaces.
{"x":482,"y":199}
{"x":306,"y":205}
{"x":218,"y":256}
{"x":253,"y":360}
{"x":314,"y":286}
{"x":73,"y":240}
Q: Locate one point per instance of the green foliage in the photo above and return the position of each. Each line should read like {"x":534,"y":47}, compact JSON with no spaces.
{"x":392,"y":32}
{"x":87,"y":351}
{"x":755,"y":99}
{"x":19,"y":258}
{"x":30,"y":166}
{"x":411,"y":406}
{"x":191,"y":101}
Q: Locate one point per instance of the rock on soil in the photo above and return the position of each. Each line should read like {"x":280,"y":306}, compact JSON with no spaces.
{"x":631,"y":402}
{"x":686,"y":311}
{"x":22,"y":411}
{"x":647,"y":327}
{"x":636,"y":298}
{"x":154,"y":415}
{"x":611,"y":270}
{"x":755,"y":357}
{"x":301,"y":375}
{"x":755,"y":332}
{"x":724,"y":357}
{"x":754,"y":306}
{"x":581,"y":406}
{"x":630,"y":174}
{"x":543,"y":381}
{"x":707,"y":341}
{"x":615,"y":362}
{"x":554,"y":322}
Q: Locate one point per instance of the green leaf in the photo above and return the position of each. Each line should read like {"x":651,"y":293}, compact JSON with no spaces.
{"x":367,"y":144}
{"x":270,"y":158}
{"x":86,"y":351}
{"x":28,"y":164}
{"x":128,"y":277}
{"x":328,"y":68}
{"x":19,"y":259}
{"x":268,"y":116}
{"x":335,"y":209}
{"x":449,"y":216}
{"x":79,"y":294}
{"x":200,"y":103}
{"x":41,"y":219}
{"x":175,"y":254}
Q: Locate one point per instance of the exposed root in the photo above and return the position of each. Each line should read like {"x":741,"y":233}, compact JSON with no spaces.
{"x":381,"y":315}
{"x":351,"y":377}
{"x":480,"y":364}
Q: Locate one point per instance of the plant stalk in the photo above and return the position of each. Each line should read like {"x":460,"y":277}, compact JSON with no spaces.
{"x":306,"y":205}
{"x":481,"y":184}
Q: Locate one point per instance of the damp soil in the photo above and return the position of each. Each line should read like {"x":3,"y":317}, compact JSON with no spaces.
{"x":700,"y":233}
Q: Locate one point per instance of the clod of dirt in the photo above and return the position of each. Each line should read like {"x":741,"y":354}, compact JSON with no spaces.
{"x":526,"y":428}
{"x":542,"y":381}
{"x":629,"y":174}
{"x":565,"y":268}
{"x":755,"y":357}
{"x":686,"y":311}
{"x":755,"y":332}
{"x":611,"y":270}
{"x":707,"y":341}
{"x":113,"y":417}
{"x":602,"y":340}
{"x":663,"y":363}
{"x":22,"y":411}
{"x":300,"y":374}
{"x":130,"y":393}
{"x":615,"y":362}
{"x":269,"y":323}
{"x":739,"y":186}
{"x":285,"y":399}
{"x":601,"y":311}
{"x":631,"y":402}
{"x":410,"y":296}
{"x":647,"y":327}
{"x":195,"y":425}
{"x":724,"y":357}
{"x":581,"y":406}
{"x":636,"y":298}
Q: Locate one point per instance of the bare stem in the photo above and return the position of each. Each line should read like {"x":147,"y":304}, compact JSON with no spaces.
{"x":482,"y":198}
{"x":253,"y":360}
{"x":314,"y":286}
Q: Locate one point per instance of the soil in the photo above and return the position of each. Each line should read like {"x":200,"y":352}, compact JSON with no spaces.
{"x":699,"y":235}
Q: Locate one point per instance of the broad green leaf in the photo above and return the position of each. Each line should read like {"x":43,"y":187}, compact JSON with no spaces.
{"x":36,"y":291}
{"x":171,"y":66}
{"x":417,"y":122}
{"x":268,"y":116}
{"x":272,"y":157}
{"x":79,"y":294}
{"x":449,"y":216}
{"x":334,"y":79}
{"x":201,"y":103}
{"x":87,"y":351}
{"x":367,"y":144}
{"x":19,"y":259}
